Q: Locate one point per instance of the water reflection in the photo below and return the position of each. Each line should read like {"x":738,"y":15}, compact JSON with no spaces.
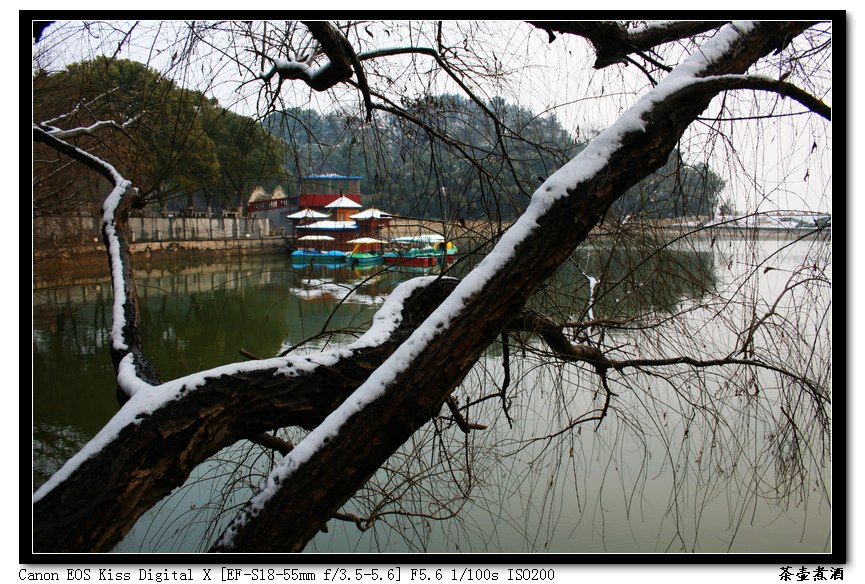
{"x":618,"y":281}
{"x":52,"y":446}
{"x":684,"y":461}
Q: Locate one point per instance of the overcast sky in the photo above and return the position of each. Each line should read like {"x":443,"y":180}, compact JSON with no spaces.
{"x":794,"y":175}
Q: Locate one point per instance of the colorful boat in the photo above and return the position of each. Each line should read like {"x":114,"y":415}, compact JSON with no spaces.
{"x":411,"y":258}
{"x":364,"y":252}
{"x":420,"y":251}
{"x":312,"y":255}
{"x":363,"y":258}
{"x":315,"y":256}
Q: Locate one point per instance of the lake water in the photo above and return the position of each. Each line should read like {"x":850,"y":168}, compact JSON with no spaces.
{"x":712,"y":459}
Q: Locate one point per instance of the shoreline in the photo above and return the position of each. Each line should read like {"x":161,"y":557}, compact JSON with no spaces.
{"x":74,"y":264}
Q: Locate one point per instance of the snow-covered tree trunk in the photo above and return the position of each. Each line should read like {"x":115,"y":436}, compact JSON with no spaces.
{"x":151,"y":446}
{"x":401,"y":395}
{"x":367,"y":399}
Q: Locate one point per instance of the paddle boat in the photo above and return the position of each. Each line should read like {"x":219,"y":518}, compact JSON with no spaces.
{"x":357,"y":257}
{"x":420,"y":251}
{"x":311,"y":255}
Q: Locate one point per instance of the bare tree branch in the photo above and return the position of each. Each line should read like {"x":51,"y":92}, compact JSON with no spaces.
{"x":121,"y":476}
{"x":126,"y":340}
{"x":781,"y":88}
{"x":613,"y":42}
{"x":405,"y":396}
{"x":552,"y":334}
{"x":86,"y":130}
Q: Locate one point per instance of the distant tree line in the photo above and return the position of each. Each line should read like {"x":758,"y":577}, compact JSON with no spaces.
{"x":182,"y":149}
{"x":482,"y":170}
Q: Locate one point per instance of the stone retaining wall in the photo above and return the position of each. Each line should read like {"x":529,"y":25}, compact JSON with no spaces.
{"x":147,"y":248}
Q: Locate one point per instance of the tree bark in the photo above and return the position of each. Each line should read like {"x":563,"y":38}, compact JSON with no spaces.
{"x":101,"y":500}
{"x":613,"y":42}
{"x":299,"y":504}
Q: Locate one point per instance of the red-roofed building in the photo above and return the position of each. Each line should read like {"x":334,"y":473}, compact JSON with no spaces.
{"x":327,"y":208}
{"x":316,"y":193}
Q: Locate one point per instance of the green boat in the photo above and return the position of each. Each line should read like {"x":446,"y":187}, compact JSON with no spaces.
{"x":420,"y":251}
{"x":356,"y":257}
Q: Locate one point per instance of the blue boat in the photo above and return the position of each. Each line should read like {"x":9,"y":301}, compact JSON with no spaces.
{"x":314,"y":256}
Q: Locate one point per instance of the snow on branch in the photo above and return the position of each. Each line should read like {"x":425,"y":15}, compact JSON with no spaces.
{"x":342,"y":61}
{"x":46,"y":136}
{"x":121,"y":472}
{"x":78,"y":106}
{"x":289,"y":69}
{"x":133,"y":371}
{"x":613,"y":42}
{"x":144,"y":404}
{"x":86,"y":130}
{"x":560,"y":215}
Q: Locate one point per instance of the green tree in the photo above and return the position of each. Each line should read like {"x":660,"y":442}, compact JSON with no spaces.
{"x":676,"y":190}
{"x":406,"y":169}
{"x":247,"y":154}
{"x":163,"y":146}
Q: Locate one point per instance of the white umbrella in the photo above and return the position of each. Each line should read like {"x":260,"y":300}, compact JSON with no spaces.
{"x":423,"y":238}
{"x":372,"y":213}
{"x":315,"y":238}
{"x":365,"y":240}
{"x":330,"y":225}
{"x":307,"y":214}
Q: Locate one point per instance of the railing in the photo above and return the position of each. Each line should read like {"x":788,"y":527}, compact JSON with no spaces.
{"x":78,"y":230}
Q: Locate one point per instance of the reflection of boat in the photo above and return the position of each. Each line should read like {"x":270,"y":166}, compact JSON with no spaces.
{"x":413,"y":258}
{"x":298,"y":265}
{"x":420,"y":251}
